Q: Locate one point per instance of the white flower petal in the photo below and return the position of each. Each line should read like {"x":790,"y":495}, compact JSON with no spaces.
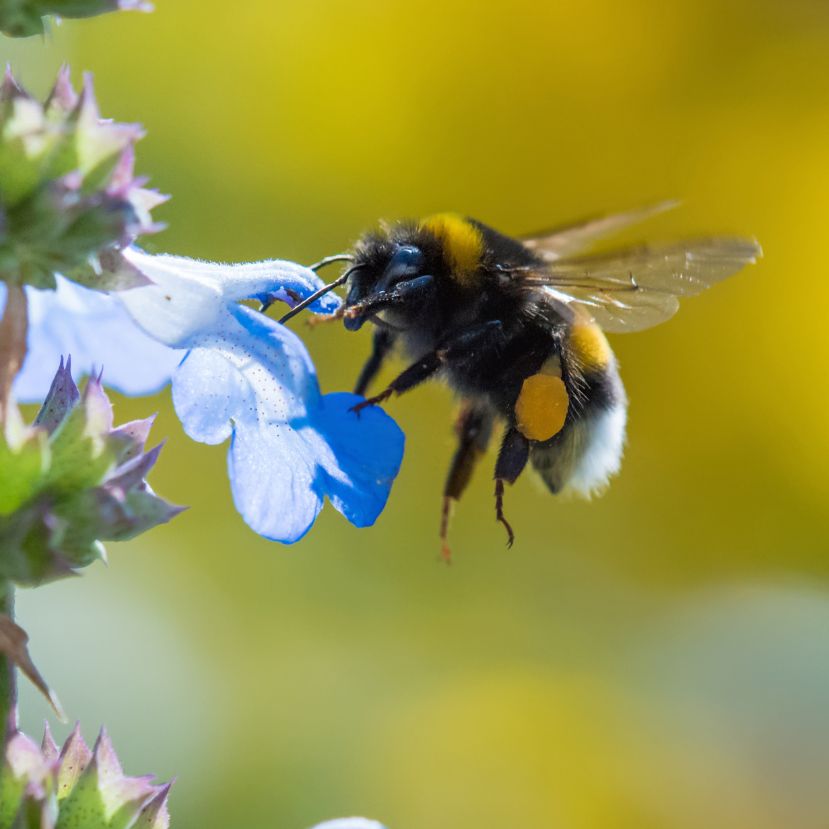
{"x":188,"y":296}
{"x":96,"y":332}
{"x":179,"y":306}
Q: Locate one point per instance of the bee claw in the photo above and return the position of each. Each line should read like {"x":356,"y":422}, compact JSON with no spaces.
{"x":371,"y":401}
{"x":508,"y":528}
{"x":499,"y":511}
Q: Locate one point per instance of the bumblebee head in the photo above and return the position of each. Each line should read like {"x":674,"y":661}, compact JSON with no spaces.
{"x":382,"y":278}
{"x":400,"y":270}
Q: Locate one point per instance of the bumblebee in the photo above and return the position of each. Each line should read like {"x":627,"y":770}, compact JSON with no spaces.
{"x":517,"y":329}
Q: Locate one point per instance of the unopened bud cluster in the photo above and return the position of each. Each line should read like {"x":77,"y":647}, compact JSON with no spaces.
{"x":69,"y":203}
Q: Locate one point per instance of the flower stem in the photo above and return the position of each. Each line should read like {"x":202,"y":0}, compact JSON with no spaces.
{"x":8,"y":679}
{"x":13,"y":331}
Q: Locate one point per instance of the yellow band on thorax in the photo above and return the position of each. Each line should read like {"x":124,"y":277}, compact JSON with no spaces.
{"x":462,"y":243}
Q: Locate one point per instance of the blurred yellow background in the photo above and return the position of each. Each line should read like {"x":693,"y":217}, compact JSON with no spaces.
{"x":657,"y":658}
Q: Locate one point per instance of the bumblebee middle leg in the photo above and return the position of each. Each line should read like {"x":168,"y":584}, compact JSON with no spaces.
{"x":474,"y":429}
{"x":455,"y":349}
{"x":413,"y":376}
{"x":513,"y":457}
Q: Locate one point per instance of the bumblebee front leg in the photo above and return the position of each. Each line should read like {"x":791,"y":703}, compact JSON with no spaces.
{"x":515,"y":451}
{"x":321,"y":319}
{"x":381,"y":345}
{"x":473,"y":428}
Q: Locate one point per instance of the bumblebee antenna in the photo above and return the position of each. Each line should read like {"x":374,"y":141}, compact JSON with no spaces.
{"x":329,"y":260}
{"x":340,"y":280}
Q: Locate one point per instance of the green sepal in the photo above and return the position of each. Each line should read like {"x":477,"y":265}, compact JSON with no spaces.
{"x":70,"y":481}
{"x":22,"y":470}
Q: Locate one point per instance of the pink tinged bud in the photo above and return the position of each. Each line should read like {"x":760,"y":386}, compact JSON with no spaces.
{"x":74,"y":786}
{"x":62,"y":97}
{"x":50,"y":749}
{"x":74,"y":758}
{"x":155,"y":815}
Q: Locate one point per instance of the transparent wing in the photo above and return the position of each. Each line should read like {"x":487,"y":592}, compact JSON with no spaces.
{"x":552,"y":245}
{"x":638,"y":288}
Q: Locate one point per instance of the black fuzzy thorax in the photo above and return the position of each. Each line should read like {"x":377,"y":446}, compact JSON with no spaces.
{"x":486,"y":296}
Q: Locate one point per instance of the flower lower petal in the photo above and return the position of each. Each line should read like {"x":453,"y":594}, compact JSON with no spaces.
{"x":366,"y":452}
{"x":276,"y":482}
{"x":251,"y":378}
{"x":248,"y":370}
{"x":208,"y":391}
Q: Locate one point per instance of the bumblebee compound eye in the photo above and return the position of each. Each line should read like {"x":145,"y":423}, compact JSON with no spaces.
{"x":406,"y":263}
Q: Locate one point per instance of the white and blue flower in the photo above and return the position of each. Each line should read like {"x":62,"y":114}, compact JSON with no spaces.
{"x":236,"y":374}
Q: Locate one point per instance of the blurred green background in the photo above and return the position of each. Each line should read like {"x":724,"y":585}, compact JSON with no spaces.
{"x":656,"y":658}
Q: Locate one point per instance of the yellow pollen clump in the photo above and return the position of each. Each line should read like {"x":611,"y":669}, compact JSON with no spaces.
{"x":541,"y":408}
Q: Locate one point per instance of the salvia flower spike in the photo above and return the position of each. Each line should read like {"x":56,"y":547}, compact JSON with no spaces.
{"x":69,"y":202}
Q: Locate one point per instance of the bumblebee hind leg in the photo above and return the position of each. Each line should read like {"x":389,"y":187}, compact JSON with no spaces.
{"x":515,"y":451}
{"x":474,"y":429}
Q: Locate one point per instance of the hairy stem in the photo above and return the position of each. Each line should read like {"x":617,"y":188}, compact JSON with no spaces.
{"x":13,"y":331}
{"x":8,"y":678}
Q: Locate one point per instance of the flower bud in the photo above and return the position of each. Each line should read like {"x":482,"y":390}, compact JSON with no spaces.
{"x":46,"y":786}
{"x":71,"y":481}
